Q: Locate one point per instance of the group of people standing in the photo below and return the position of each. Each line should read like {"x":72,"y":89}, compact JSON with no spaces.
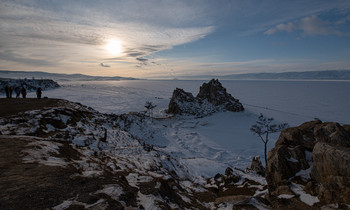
{"x":19,"y":91}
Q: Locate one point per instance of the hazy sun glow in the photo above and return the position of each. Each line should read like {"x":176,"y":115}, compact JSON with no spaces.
{"x":114,"y":47}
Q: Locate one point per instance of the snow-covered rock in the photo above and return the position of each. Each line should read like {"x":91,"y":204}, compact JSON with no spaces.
{"x":216,"y":94}
{"x":211,"y":98}
{"x":257,"y":166}
{"x":331,"y":163}
{"x":316,"y":155}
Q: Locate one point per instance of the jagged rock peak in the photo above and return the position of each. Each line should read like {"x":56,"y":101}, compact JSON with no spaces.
{"x":216,"y":94}
{"x":257,"y":166}
{"x":211,"y":98}
{"x":177,"y":101}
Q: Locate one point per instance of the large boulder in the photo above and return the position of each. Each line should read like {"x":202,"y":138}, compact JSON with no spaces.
{"x":315,"y":154}
{"x":331,"y":163}
{"x":211,"y":98}
{"x":291,"y":154}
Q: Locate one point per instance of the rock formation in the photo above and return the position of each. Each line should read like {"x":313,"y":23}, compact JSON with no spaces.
{"x":315,"y":154}
{"x":331,"y":163}
{"x":257,"y":166}
{"x":216,"y":94}
{"x":211,"y":98}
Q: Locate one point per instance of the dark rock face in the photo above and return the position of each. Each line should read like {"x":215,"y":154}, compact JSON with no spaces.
{"x":316,"y":154}
{"x":180,"y":97}
{"x":257,"y":166}
{"x":216,"y":94}
{"x":331,"y":163}
{"x":211,"y":98}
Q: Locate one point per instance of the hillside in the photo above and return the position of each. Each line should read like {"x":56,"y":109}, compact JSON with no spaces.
{"x":63,"y":155}
{"x":60,"y":154}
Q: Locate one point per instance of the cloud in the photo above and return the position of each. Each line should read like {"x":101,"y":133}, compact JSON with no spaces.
{"x":311,"y":25}
{"x":142,"y":59}
{"x":104,"y":65}
{"x":8,"y":55}
{"x":76,"y":33}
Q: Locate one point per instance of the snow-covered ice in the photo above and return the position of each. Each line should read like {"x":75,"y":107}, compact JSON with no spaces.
{"x":293,"y":102}
{"x":224,"y":136}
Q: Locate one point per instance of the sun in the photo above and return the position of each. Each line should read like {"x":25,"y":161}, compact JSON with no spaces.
{"x":114,"y":47}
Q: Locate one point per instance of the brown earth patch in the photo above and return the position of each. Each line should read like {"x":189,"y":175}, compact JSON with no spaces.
{"x":35,"y":186}
{"x":13,"y":106}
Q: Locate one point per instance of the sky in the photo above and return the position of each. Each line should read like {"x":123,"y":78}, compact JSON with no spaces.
{"x":171,"y":39}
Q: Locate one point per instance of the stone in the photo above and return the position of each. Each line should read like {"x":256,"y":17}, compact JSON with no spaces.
{"x":283,"y":189}
{"x":179,"y":98}
{"x":257,"y":166}
{"x":321,"y":151}
{"x":292,"y":153}
{"x":332,"y":133}
{"x":216,"y":94}
{"x":331,"y":170}
{"x":211,"y":98}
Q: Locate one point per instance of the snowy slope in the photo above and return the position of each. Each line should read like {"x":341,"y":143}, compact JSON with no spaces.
{"x":133,"y":146}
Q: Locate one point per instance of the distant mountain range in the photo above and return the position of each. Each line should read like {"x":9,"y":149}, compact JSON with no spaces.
{"x":306,"y":75}
{"x":57,"y":77}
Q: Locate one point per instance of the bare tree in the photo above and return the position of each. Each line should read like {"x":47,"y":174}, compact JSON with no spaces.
{"x":150,"y":106}
{"x":263,"y":128}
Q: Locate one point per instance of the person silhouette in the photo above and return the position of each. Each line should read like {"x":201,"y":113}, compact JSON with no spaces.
{"x":38,"y":93}
{"x":24,"y":92}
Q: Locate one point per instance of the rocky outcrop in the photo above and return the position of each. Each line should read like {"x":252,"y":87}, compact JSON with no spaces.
{"x":182,"y":102}
{"x":331,"y":163}
{"x":257,"y":166}
{"x":216,"y":94}
{"x":315,"y":154}
{"x":290,"y":154}
{"x":211,"y":98}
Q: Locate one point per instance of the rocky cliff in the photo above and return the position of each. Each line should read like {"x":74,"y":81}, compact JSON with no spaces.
{"x":315,"y":156}
{"x":212,"y":97}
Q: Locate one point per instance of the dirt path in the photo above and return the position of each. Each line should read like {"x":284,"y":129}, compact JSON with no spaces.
{"x":12,"y":106}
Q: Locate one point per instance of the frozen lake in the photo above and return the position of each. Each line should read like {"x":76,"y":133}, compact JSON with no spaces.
{"x":293,"y":102}
{"x":223,"y":139}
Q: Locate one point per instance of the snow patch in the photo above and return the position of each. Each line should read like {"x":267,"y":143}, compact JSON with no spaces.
{"x":303,"y":196}
{"x":113,"y":190}
{"x":286,"y":196}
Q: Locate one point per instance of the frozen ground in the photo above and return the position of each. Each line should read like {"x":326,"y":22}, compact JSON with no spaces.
{"x":223,"y":136}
